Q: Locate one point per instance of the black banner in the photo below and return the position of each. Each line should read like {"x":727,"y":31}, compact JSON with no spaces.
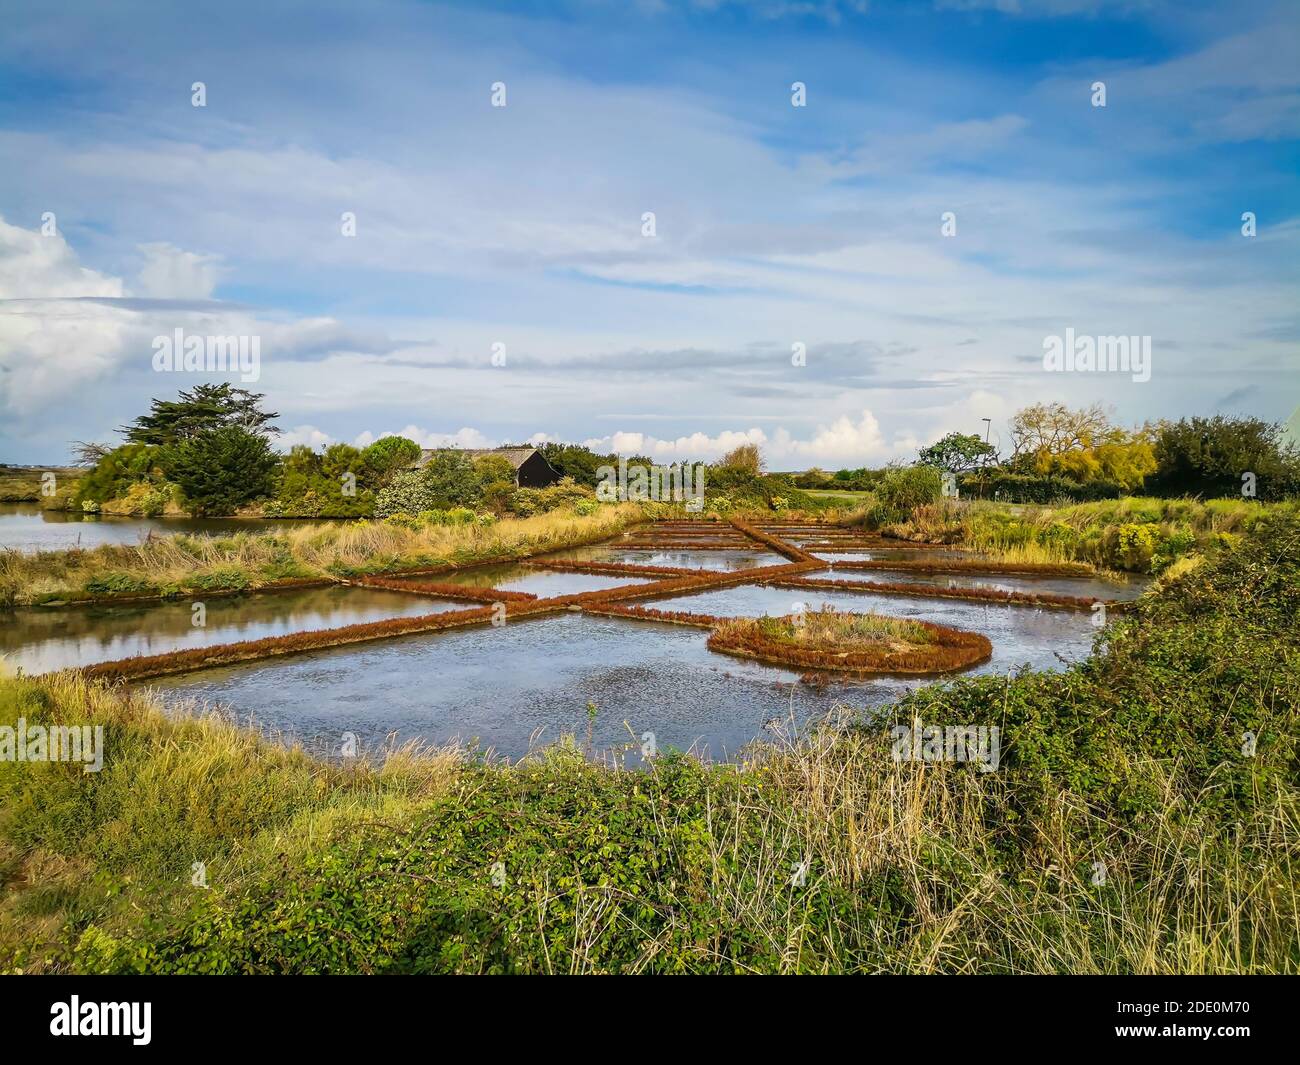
{"x":145,"y":1014}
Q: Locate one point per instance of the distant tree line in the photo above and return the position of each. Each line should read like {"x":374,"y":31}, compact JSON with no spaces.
{"x":1080,"y":454}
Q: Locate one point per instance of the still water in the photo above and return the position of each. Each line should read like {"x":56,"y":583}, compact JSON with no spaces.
{"x":42,"y":639}
{"x":27,"y":528}
{"x":530,"y":681}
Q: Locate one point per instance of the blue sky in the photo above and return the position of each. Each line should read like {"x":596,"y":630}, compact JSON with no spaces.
{"x":521,"y":226}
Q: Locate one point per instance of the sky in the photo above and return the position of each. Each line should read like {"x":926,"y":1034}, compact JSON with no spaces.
{"x":658,"y":245}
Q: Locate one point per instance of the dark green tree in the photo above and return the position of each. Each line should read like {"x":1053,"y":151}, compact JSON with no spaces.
{"x":221,"y":469}
{"x":1209,"y":456}
{"x":207,"y":407}
{"x":959,"y":453}
{"x":451,"y":479}
{"x":386,"y":456}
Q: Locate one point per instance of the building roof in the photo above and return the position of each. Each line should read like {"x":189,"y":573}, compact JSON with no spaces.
{"x":516,"y":456}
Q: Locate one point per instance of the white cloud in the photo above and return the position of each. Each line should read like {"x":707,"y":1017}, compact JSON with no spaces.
{"x":303,"y":434}
{"x":34,"y":266}
{"x":845,"y":441}
{"x":463,"y":437}
{"x":51,"y":343}
{"x":171,"y":273}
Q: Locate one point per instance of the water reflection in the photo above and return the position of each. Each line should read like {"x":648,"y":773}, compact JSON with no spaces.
{"x":41,"y":639}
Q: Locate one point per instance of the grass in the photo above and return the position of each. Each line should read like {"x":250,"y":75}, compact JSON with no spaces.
{"x":179,"y":564}
{"x":827,"y":639}
{"x":828,"y":628}
{"x":837,"y":498}
{"x":1136,"y":534}
{"x":1129,"y":828}
{"x":22,"y":484}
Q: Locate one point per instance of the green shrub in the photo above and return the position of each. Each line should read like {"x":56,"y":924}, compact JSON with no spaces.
{"x":1008,"y":487}
{"x":115,"y":473}
{"x":565,"y":492}
{"x":1137,"y":545}
{"x":220,"y":470}
{"x":406,"y":494}
{"x":312,"y":485}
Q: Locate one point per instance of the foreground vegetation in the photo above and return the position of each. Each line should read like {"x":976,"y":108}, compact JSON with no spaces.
{"x":1143,"y":818}
{"x":186,"y":564}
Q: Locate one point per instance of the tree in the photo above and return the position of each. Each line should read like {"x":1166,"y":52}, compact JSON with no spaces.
{"x":88,"y":453}
{"x":494,"y":469}
{"x":746,"y":459}
{"x":959,"y":453}
{"x":221,"y":469}
{"x":580,"y":462}
{"x":117,"y":471}
{"x":450,"y":479}
{"x":386,"y":456}
{"x":1052,"y":429}
{"x":1209,"y":456}
{"x":1050,"y":439}
{"x":206,"y":408}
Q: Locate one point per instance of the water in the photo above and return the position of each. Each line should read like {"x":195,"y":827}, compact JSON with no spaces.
{"x":527,"y":683}
{"x":27,"y":528}
{"x":1044,"y":639}
{"x":682,"y":559}
{"x":545,"y":584}
{"x":1088,"y":588}
{"x":42,"y":639}
{"x":524,"y":685}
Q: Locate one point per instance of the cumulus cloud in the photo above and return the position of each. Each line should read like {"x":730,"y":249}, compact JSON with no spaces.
{"x":64,"y":326}
{"x":846,"y":440}
{"x":52,"y":340}
{"x":463,"y":437}
{"x":36,"y":266}
{"x":766,"y":237}
{"x":303,"y":434}
{"x":172,"y":273}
